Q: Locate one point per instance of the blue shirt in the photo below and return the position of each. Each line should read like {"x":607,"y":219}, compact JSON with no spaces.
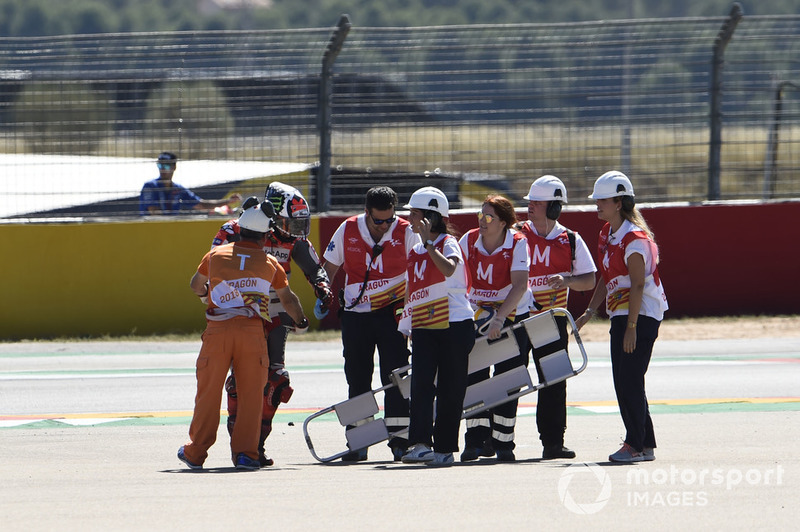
{"x":170,"y":201}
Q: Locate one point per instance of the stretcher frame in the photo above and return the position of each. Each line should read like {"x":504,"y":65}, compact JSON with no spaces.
{"x":367,"y":430}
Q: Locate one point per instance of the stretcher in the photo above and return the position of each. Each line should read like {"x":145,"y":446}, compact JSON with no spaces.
{"x":358,"y":414}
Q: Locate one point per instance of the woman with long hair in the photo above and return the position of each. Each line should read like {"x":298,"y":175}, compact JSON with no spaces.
{"x":635,"y":301}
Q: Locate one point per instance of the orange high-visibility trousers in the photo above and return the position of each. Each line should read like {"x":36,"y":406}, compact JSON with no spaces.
{"x":239,"y":342}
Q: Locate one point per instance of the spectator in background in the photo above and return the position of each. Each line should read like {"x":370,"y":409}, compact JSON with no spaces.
{"x":163,"y":196}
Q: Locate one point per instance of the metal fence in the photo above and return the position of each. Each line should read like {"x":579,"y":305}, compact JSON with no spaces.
{"x":466,"y":108}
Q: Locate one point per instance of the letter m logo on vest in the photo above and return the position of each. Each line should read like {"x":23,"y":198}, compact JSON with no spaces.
{"x":377,"y":263}
{"x":539,"y":256}
{"x":485,"y":275}
{"x":419,"y":270}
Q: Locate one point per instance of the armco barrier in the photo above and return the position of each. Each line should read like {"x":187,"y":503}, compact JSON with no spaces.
{"x":112,"y":278}
{"x":133,"y":277}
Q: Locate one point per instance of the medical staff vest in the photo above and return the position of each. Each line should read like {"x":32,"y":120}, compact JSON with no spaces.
{"x":617,"y":278}
{"x":386,"y":265}
{"x":491,"y":274}
{"x":240,"y":276}
{"x":427,"y":306}
{"x":548,"y":257}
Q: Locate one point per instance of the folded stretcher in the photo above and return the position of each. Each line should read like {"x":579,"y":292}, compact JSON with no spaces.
{"x":358,"y":413}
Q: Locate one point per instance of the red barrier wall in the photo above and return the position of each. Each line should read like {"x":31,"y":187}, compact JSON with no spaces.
{"x":716,"y":260}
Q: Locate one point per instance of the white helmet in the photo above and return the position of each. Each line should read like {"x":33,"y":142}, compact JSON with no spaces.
{"x":429,"y":199}
{"x":257,"y":218}
{"x":547,"y":188}
{"x":612,"y":184}
{"x":291,"y":207}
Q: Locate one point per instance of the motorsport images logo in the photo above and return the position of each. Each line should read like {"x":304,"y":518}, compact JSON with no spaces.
{"x":591,"y":478}
{"x":586,"y":488}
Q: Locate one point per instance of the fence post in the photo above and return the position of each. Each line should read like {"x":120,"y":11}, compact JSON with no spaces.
{"x":625,"y":141}
{"x":715,"y":142}
{"x":771,"y":156}
{"x":323,"y":188}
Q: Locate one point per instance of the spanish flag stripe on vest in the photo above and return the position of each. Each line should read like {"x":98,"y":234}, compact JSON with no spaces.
{"x":619,"y":299}
{"x":549,"y":299}
{"x":433,"y":315}
{"x":387,"y":297}
{"x":253,"y":299}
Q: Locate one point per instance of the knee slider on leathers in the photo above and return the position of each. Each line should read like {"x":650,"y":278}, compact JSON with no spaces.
{"x":278,"y":389}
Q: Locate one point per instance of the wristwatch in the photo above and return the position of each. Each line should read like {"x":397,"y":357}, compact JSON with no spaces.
{"x":428,"y":242}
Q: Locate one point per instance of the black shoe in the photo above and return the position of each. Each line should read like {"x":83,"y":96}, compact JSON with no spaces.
{"x":506,"y":455}
{"x":473,"y":453}
{"x":265,"y":460}
{"x":398,"y":452}
{"x":557,"y":451}
{"x":355,"y":456}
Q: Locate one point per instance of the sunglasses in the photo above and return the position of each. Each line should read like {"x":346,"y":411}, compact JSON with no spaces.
{"x":165,"y":166}
{"x":381,"y":222}
{"x":489,"y":217}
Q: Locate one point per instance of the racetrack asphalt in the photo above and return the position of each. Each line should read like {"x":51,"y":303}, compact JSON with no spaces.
{"x":727,"y":462}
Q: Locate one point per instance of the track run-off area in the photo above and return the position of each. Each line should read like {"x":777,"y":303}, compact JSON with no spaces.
{"x":89,"y":432}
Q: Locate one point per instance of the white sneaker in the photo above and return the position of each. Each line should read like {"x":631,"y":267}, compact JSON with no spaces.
{"x":441,"y":460}
{"x":419,"y":453}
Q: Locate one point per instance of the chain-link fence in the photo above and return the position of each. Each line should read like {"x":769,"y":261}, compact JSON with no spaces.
{"x":467,"y":108}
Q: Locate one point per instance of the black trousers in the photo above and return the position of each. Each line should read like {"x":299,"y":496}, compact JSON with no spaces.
{"x":551,"y":408}
{"x":628,"y":370}
{"x":445,"y":351}
{"x":362,"y":333}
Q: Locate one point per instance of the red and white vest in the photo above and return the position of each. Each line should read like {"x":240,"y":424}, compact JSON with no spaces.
{"x":491,"y":274}
{"x":548,"y":257}
{"x":387,"y":269}
{"x":616,"y":276}
{"x":427,"y":305}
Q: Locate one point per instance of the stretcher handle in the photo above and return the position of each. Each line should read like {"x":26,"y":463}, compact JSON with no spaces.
{"x":574,"y":328}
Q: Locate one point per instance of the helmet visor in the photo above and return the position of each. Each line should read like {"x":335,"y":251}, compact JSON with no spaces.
{"x":297,"y":227}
